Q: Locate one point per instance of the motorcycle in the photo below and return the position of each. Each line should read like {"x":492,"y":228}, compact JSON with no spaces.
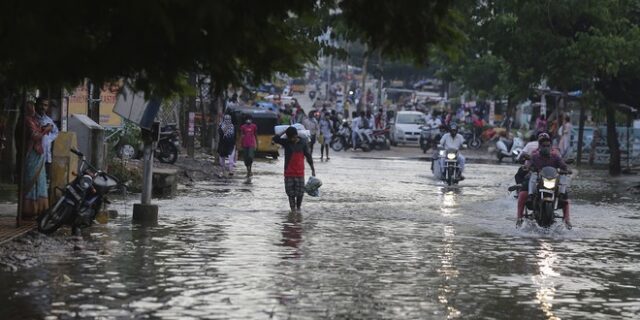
{"x":472,"y":138}
{"x":450,"y":171}
{"x":168,"y":145}
{"x":429,"y":138}
{"x":81,"y":200}
{"x":379,"y":140}
{"x":342,"y":140}
{"x":548,"y":197}
{"x":509,"y":148}
{"x":312,"y":94}
{"x":166,"y":148}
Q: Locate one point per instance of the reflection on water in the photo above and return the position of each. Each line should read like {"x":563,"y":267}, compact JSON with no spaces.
{"x":385,"y":241}
{"x":544,"y":281}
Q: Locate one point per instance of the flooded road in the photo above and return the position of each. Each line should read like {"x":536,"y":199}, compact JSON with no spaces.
{"x":384,"y":241}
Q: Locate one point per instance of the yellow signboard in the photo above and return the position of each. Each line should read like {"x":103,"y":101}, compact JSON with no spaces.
{"x":78,"y":101}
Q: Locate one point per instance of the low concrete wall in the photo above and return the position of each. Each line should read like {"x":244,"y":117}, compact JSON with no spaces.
{"x":64,"y":163}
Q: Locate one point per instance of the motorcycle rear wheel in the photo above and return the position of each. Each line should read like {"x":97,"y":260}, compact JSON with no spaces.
{"x":53,"y":218}
{"x":475,"y":143}
{"x":167,"y":153}
{"x":336,"y":144}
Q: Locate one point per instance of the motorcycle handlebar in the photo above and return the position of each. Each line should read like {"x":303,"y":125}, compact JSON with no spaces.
{"x":76,"y":152}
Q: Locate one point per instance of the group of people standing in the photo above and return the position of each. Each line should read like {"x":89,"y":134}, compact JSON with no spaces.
{"x":35,"y":157}
{"x":321,"y":129}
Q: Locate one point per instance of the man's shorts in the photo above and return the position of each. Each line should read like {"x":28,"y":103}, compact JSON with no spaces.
{"x":294,"y":186}
{"x":249,"y":154}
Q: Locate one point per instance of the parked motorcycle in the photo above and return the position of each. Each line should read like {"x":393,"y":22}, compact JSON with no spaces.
{"x":548,"y":197}
{"x":81,"y":200}
{"x":509,"y":148}
{"x":379,"y":139}
{"x":342,"y":140}
{"x":166,"y":148}
{"x":449,"y":171}
{"x":168,"y":145}
{"x":472,"y":138}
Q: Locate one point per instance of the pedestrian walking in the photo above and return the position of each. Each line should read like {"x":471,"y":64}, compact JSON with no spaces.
{"x":299,"y":114}
{"x":296,"y":150}
{"x":565,"y":138}
{"x":227,"y":145}
{"x":311,"y":123}
{"x":249,"y":139}
{"x":326,"y":133}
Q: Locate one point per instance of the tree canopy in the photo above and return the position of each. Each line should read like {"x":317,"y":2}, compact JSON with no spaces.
{"x":156,"y":42}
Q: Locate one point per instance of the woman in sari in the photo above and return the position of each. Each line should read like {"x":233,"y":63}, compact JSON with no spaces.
{"x":226,"y":146}
{"x":34,"y":182}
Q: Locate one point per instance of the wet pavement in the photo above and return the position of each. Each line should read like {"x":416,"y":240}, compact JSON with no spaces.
{"x":384,"y":241}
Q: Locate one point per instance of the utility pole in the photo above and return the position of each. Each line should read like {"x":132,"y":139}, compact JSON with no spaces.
{"x":191,"y":119}
{"x":580,"y":133}
{"x":345,"y":90}
{"x":329,"y":76}
{"x":144,"y":212}
{"x":93,"y":101}
{"x":380,"y":79}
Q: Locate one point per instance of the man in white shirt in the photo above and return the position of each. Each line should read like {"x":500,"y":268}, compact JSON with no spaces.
{"x":530,"y":147}
{"x":453,"y":140}
{"x":355,"y":125}
{"x":42,"y":106}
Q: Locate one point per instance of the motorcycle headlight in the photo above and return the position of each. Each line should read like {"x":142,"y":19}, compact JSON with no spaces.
{"x":451,"y":156}
{"x":549,"y":183}
{"x":441,"y":153}
{"x":85,"y":182}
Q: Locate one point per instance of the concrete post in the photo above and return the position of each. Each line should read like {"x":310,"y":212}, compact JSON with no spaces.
{"x":146,"y":213}
{"x":147,"y":173}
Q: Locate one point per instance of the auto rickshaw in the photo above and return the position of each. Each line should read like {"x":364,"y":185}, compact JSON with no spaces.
{"x":265,"y":120}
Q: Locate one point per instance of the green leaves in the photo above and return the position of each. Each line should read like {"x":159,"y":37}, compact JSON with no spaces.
{"x":157,"y":42}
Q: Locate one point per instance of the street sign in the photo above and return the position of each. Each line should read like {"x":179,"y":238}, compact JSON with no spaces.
{"x":135,"y":107}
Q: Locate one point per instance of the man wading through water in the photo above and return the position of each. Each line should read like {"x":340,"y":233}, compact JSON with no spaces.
{"x":295,"y":150}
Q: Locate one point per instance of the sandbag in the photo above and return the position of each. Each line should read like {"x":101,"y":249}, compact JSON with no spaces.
{"x":313,"y":186}
{"x":302,"y":132}
{"x":280,"y":129}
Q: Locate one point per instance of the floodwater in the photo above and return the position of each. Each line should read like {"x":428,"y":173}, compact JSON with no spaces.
{"x":384,"y":241}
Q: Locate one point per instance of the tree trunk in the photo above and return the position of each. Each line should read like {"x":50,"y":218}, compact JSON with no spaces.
{"x":8,"y":156}
{"x":363,"y":96}
{"x":612,"y":141}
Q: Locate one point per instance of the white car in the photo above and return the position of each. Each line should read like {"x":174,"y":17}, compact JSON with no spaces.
{"x":406,"y":127}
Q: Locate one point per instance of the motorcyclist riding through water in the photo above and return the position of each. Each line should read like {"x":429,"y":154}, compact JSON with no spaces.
{"x":545,"y":156}
{"x":453,"y":140}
